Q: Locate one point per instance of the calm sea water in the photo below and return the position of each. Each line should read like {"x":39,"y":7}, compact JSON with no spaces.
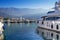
{"x":30,"y":31}
{"x":21,"y":31}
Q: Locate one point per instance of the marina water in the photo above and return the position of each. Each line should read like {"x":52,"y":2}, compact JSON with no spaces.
{"x":25,"y":31}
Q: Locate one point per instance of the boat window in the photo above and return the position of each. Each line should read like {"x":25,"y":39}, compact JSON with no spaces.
{"x":43,"y":18}
{"x":57,"y":27}
{"x":42,"y":22}
{"x":52,"y":18}
{"x":51,"y":26}
{"x":57,"y":18}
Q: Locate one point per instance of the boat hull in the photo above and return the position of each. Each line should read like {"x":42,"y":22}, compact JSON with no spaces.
{"x":50,"y":25}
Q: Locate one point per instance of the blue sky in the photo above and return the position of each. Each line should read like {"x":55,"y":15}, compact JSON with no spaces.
{"x":45,"y":4}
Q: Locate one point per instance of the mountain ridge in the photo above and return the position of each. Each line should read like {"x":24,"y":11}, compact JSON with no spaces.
{"x":18,"y":12}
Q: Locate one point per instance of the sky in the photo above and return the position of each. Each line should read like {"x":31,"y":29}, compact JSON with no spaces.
{"x":45,"y":4}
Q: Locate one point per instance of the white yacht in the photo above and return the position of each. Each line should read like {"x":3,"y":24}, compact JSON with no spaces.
{"x":51,"y":21}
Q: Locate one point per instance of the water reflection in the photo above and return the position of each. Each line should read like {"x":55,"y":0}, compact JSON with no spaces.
{"x":48,"y":35}
{"x":8,"y":24}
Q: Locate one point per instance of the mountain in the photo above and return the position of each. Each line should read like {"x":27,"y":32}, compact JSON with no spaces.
{"x":3,"y":15}
{"x":25,"y":12}
{"x":6,"y":15}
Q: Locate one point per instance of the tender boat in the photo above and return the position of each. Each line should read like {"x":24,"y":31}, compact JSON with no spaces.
{"x":51,"y":21}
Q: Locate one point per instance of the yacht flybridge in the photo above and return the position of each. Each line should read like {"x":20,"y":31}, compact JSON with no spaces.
{"x":51,"y":21}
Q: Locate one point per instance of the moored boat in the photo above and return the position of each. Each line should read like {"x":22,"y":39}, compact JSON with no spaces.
{"x":51,"y":21}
